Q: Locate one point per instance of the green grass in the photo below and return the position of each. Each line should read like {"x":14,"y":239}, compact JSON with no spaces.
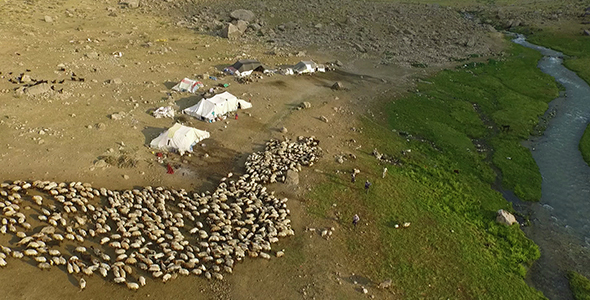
{"x":453,"y":249}
{"x":585,"y":145}
{"x":579,"y":285}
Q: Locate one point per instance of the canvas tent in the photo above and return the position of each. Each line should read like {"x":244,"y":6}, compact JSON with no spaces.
{"x":245,"y":67}
{"x":188,"y":85}
{"x":179,"y":138}
{"x":308,"y":67}
{"x":218,"y":105}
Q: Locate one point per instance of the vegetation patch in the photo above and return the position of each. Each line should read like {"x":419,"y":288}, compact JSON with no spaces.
{"x":453,"y":247}
{"x":579,"y":285}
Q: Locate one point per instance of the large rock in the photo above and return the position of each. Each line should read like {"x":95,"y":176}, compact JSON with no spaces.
{"x":506,"y":218}
{"x":587,"y":32}
{"x":38,"y":89}
{"x":130,"y":3}
{"x":242,"y":25}
{"x":231,"y":31}
{"x":337,"y":86}
{"x":292,"y":177}
{"x":243,"y":14}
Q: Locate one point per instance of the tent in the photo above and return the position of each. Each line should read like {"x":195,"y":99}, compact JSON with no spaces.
{"x":179,"y":138}
{"x":245,"y":67}
{"x":308,"y":67}
{"x":188,"y":85}
{"x":218,"y":105}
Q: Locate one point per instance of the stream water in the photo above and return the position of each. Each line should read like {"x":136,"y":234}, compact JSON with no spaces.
{"x":561,"y":220}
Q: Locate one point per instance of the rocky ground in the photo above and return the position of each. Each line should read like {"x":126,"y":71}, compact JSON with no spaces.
{"x":80,"y":78}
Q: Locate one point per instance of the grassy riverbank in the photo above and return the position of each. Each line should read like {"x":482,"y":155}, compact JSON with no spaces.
{"x":453,"y":247}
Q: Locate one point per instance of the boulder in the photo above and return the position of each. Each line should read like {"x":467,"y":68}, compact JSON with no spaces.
{"x":48,"y":19}
{"x":292,"y":177}
{"x":284,"y":130}
{"x":130,"y":3}
{"x":241,"y":25}
{"x":305,"y":105}
{"x":243,"y":14}
{"x":231,"y":31}
{"x":337,"y":86}
{"x":38,"y":89}
{"x":504,"y":217}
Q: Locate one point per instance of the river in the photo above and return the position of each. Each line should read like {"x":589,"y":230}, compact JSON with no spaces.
{"x":561,"y":219}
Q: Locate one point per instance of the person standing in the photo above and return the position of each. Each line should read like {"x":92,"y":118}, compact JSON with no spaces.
{"x":236,"y":116}
{"x":355,"y":219}
{"x":367,"y":185}
{"x":353,"y":176}
{"x":384,"y":172}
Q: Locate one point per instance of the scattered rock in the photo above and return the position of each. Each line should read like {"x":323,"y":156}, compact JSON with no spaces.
{"x":25,"y":78}
{"x":116,"y":81}
{"x":125,"y":176}
{"x":48,"y":19}
{"x":101,"y":163}
{"x":243,"y":14}
{"x":305,"y":105}
{"x":92,"y":55}
{"x":292,"y":177}
{"x":324,"y":119}
{"x":504,"y":217}
{"x":101,"y":126}
{"x":231,"y":31}
{"x":241,"y":25}
{"x":284,"y":130}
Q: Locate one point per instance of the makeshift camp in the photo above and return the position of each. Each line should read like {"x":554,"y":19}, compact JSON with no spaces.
{"x":216,"y":106}
{"x":308,"y":67}
{"x":245,"y":67}
{"x":179,"y":138}
{"x":188,"y":85}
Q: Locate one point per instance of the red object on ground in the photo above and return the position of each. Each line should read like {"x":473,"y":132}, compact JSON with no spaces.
{"x":236,"y":116}
{"x":159,"y":154}
{"x":170,"y":170}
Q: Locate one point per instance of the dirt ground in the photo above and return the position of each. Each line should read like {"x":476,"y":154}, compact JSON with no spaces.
{"x":100,"y":60}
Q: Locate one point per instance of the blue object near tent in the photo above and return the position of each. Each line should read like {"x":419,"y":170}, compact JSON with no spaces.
{"x":213,"y":77}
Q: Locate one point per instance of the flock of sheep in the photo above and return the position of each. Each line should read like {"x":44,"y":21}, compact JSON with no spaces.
{"x":153,"y":232}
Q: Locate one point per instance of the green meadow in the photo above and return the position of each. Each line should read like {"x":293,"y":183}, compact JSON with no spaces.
{"x":453,"y":249}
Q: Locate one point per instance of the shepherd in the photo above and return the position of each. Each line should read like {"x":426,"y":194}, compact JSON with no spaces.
{"x":355,"y":220}
{"x":367,"y":185}
{"x":236,"y":116}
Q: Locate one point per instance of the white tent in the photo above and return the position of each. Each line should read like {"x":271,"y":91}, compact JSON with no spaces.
{"x":188,"y":85}
{"x":215,"y":106}
{"x":180,"y":138}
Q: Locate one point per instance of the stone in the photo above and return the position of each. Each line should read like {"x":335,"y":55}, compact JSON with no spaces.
{"x":324,"y":119}
{"x":101,"y":163}
{"x":385,"y":284}
{"x":130,"y":3}
{"x":241,"y":25}
{"x":116,"y":80}
{"x":25,"y":79}
{"x":243,"y":14}
{"x":38,"y":89}
{"x":117,"y":116}
{"x":292,"y":177}
{"x":337,"y":86}
{"x":306,"y":105}
{"x":48,"y":19}
{"x":230,"y":31}
{"x":254,"y":26}
{"x":101,"y":126}
{"x":125,"y":176}
{"x":587,"y":32}
{"x":284,"y":130}
{"x":92,"y":55}
{"x":506,"y":218}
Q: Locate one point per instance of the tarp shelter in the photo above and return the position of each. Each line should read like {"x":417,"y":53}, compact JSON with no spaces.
{"x":179,"y":138}
{"x":245,"y":67}
{"x":164,"y":112}
{"x":218,"y":105}
{"x":188,"y":85}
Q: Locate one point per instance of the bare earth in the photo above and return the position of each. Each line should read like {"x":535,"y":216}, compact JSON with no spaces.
{"x":60,"y":135}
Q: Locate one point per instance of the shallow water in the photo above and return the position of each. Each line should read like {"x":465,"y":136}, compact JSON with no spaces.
{"x":561,"y":220}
